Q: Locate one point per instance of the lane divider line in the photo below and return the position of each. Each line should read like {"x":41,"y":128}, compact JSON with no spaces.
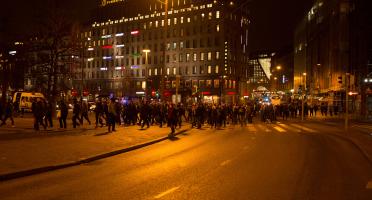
{"x":166,"y":192}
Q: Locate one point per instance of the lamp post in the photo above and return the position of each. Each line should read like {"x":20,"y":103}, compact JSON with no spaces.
{"x":162,"y":85}
{"x":146,"y":51}
{"x":303,"y":97}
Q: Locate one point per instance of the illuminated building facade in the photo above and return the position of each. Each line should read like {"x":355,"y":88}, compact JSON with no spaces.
{"x":205,"y":50}
{"x":334,"y":39}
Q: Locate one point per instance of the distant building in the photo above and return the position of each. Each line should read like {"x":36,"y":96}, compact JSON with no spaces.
{"x":205,"y":50}
{"x":334,"y":39}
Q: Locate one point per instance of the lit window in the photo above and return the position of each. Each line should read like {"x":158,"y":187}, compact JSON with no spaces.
{"x":169,"y":22}
{"x":194,"y":57}
{"x":210,"y":15}
{"x":162,"y":22}
{"x":187,"y":57}
{"x":181,"y":45}
{"x":209,"y":56}
{"x":217,"y":69}
{"x":174,"y":71}
{"x":174,"y":45}
{"x":217,"y":14}
{"x":209,"y":69}
{"x":188,"y":20}
{"x":202,"y":56}
{"x":217,"y":55}
{"x":156,"y":71}
{"x":218,"y":28}
{"x":175,"y":21}
{"x":156,"y":24}
{"x":181,"y":20}
{"x":168,"y":71}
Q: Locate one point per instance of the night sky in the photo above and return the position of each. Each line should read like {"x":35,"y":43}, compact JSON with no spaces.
{"x":273,"y":21}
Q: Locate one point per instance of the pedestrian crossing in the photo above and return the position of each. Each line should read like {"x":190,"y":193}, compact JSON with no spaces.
{"x":279,"y":128}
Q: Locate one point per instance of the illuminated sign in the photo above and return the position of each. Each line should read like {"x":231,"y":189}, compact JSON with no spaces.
{"x":119,"y":34}
{"x":134,"y":32}
{"x":107,"y":58}
{"x":140,"y":93}
{"x":103,"y":68}
{"x":108,"y":2}
{"x":12,"y":52}
{"x":119,"y":45}
{"x":107,"y":47}
{"x":90,"y":59}
{"x":106,"y":36}
{"x":90,"y":49}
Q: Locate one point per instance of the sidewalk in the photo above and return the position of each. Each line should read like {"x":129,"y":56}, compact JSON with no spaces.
{"x":359,"y":133}
{"x":28,"y":149}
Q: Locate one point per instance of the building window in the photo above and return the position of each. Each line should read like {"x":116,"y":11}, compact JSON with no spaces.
{"x":168,"y":71}
{"x":150,"y":74}
{"x":209,"y":69}
{"x":218,"y":28}
{"x":194,"y":57}
{"x":201,"y":69}
{"x":217,"y":70}
{"x":187,"y":57}
{"x":201,"y":56}
{"x":180,"y":57}
{"x":194,"y":70}
{"x":174,"y":45}
{"x":156,"y":71}
{"x":208,"y":83}
{"x":217,"y":55}
{"x":181,"y":45}
{"x":174,"y":71}
{"x":216,"y":83}
{"x":181,"y":20}
{"x":209,"y":56}
{"x":217,"y":14}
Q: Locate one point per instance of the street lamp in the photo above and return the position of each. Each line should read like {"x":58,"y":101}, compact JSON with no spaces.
{"x":146,"y":51}
{"x":162,"y":86}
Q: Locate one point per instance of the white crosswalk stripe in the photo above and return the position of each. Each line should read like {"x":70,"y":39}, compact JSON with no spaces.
{"x":304,"y":128}
{"x":278,"y":128}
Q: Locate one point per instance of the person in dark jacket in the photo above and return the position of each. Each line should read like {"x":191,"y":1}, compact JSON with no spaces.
{"x":37,"y":110}
{"x":63,"y":116}
{"x":172,"y":119}
{"x":48,"y":114}
{"x":76,"y":114}
{"x":9,"y":109}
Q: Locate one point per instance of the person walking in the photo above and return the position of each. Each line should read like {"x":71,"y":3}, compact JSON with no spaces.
{"x":98,"y":113}
{"x":48,"y":114}
{"x":84,"y":112}
{"x":111,"y":115}
{"x":37,"y":110}
{"x":9,"y":110}
{"x":75,"y":114}
{"x":172,"y":119}
{"x":63,"y":114}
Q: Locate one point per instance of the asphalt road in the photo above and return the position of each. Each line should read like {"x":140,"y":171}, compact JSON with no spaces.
{"x":281,"y":161}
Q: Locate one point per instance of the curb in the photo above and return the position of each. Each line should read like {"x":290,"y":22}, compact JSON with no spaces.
{"x":364,"y":153}
{"x":39,"y":170}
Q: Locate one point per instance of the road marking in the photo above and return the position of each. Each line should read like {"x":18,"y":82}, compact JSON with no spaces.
{"x":166,"y":192}
{"x":225,"y":162}
{"x":369,"y":185}
{"x":288,"y":127}
{"x":264,"y":128}
{"x":304,"y":128}
{"x":251,"y":128}
{"x":279,"y":129}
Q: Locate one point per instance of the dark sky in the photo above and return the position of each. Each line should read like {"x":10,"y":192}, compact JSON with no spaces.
{"x":273,"y":21}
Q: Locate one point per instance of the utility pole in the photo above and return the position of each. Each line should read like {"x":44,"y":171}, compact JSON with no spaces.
{"x":347,"y":79}
{"x":303,"y":98}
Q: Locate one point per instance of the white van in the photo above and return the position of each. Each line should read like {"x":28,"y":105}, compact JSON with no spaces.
{"x":25,"y":99}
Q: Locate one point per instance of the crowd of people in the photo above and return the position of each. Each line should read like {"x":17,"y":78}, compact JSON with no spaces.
{"x":111,"y":112}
